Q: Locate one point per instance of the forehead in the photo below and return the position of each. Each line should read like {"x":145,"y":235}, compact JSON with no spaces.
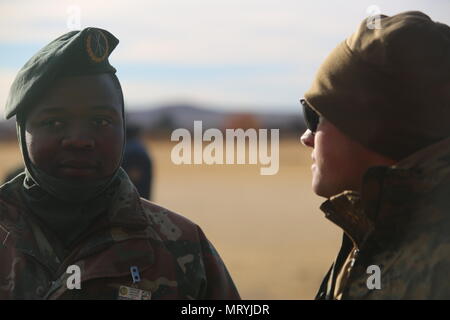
{"x":80,"y":94}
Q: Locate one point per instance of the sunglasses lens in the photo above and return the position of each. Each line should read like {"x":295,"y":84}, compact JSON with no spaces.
{"x":311,"y":117}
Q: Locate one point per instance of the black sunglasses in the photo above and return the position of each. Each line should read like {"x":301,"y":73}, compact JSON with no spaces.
{"x":311,"y":117}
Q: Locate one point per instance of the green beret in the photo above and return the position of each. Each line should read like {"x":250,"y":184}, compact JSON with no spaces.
{"x":74,"y":53}
{"x":388,"y":87}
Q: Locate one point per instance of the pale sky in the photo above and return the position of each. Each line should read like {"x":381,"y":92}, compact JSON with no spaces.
{"x":229,"y":54}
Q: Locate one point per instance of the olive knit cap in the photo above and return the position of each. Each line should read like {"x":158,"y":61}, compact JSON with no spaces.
{"x":388,"y":87}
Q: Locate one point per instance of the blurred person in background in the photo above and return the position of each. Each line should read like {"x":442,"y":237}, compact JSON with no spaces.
{"x":137,"y":162}
{"x":378,"y":117}
{"x":74,"y":209}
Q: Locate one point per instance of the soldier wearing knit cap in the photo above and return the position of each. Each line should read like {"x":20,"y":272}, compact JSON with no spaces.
{"x":74,"y":209}
{"x":378,"y":117}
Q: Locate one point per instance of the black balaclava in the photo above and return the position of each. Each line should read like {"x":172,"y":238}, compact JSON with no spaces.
{"x":67,"y":208}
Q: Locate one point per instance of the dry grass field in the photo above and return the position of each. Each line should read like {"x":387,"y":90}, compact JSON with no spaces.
{"x":269,"y":231}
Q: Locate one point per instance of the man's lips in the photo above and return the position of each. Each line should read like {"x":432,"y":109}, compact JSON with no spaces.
{"x":313,"y":162}
{"x":77,"y":168}
{"x":78,"y":164}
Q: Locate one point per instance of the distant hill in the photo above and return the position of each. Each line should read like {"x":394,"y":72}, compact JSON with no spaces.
{"x":183,"y":116}
{"x":170,"y":117}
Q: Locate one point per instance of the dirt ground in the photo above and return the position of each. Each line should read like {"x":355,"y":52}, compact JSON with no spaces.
{"x":269,"y":231}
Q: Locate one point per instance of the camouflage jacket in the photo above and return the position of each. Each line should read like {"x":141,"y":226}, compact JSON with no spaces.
{"x":400,"y":222}
{"x":173,"y":257}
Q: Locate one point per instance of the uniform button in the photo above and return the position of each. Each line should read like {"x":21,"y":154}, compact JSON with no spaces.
{"x":40,"y":291}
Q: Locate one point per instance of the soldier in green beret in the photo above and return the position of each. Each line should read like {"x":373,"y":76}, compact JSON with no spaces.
{"x":73,"y":226}
{"x":378,"y":117}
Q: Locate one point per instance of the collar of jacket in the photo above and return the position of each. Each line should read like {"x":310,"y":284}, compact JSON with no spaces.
{"x":126,"y":209}
{"x":387,"y":192}
{"x":124,"y":219}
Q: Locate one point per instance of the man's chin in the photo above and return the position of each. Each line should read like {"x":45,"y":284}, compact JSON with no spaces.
{"x":320,"y":193}
{"x":322,"y":189}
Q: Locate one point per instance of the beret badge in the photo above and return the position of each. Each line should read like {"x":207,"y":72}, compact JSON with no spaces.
{"x":97,"y":46}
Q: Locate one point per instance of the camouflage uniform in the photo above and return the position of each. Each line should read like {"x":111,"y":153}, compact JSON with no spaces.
{"x":123,"y":245}
{"x":401,"y":223}
{"x":173,"y":256}
{"x":387,"y":88}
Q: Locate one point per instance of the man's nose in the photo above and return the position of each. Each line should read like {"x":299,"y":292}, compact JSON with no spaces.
{"x":79,"y":140}
{"x":307,"y":139}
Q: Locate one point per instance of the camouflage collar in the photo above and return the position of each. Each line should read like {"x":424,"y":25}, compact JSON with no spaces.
{"x":124,"y":219}
{"x":126,"y":208}
{"x":346,"y":211}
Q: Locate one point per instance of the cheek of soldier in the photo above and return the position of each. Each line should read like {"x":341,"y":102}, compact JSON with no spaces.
{"x":338,"y":161}
{"x":76,"y":130}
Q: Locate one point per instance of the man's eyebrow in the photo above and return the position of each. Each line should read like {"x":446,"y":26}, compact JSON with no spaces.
{"x":50,"y":110}
{"x":105,"y":108}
